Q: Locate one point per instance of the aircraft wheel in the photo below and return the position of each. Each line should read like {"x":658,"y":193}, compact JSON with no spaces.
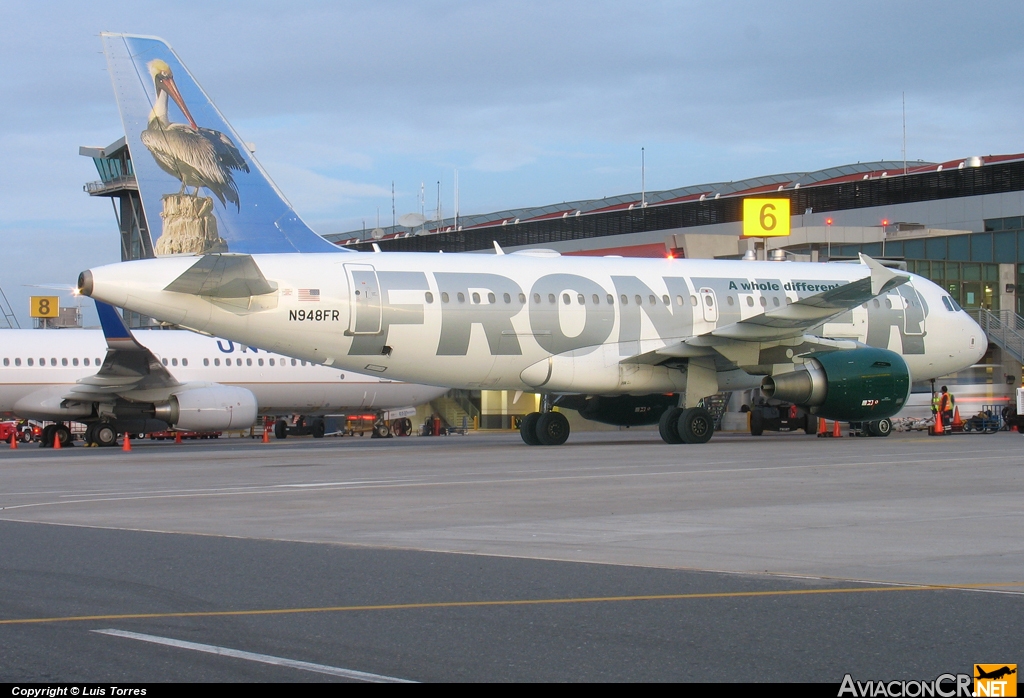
{"x":756,"y":422}
{"x":881,"y":427}
{"x":380,"y":431}
{"x":528,"y":429}
{"x":63,"y":433}
{"x":280,"y":429}
{"x":46,"y":440}
{"x":811,"y":425}
{"x":552,"y":429}
{"x":318,"y":428}
{"x":696,"y":425}
{"x":668,"y":426}
{"x":103,"y":434}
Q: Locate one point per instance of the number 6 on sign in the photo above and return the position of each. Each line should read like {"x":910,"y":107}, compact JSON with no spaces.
{"x":764,"y":218}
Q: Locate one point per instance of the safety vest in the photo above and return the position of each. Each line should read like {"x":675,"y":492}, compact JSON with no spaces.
{"x":945,"y":402}
{"x":936,"y":401}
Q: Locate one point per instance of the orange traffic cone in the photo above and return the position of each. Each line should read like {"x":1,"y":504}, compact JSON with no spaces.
{"x":14,"y":441}
{"x":938,"y":430}
{"x":266,"y":435}
{"x":56,"y":442}
{"x":822,"y":429}
{"x":177,"y":437}
{"x":837,"y":431}
{"x":127,"y":443}
{"x":957,"y":424}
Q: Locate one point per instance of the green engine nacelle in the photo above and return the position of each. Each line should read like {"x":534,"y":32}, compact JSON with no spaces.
{"x":853,"y":385}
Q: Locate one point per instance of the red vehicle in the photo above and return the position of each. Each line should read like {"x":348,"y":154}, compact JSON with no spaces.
{"x":171,"y":434}
{"x":24,"y":432}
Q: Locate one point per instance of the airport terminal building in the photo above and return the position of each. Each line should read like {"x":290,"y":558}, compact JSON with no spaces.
{"x":959,"y":223}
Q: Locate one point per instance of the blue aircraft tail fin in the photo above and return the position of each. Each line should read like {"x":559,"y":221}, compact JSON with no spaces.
{"x":202,"y":190}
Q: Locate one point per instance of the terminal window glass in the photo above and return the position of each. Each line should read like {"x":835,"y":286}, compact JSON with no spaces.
{"x":972,"y":272}
{"x":914,"y":249}
{"x":992,"y":224}
{"x":894,"y":249}
{"x":935,"y":248}
{"x":873,"y":249}
{"x":958,"y":248}
{"x":1005,"y":248}
{"x":990,"y":272}
{"x":1013,"y":223}
{"x":952,"y":271}
{"x":981,"y":247}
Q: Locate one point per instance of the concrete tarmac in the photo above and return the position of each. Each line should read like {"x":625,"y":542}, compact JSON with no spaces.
{"x":342,"y":523}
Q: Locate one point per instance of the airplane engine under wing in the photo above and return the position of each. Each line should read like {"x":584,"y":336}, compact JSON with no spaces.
{"x":209,"y":409}
{"x":856,"y":385}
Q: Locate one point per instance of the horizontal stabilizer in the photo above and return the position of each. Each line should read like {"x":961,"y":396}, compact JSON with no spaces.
{"x":223,"y":276}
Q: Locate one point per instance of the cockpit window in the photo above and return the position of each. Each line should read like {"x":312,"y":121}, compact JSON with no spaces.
{"x":945,"y":302}
{"x":956,"y":306}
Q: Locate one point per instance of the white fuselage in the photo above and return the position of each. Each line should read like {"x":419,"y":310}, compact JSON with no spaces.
{"x":492,"y":321}
{"x":42,"y":363}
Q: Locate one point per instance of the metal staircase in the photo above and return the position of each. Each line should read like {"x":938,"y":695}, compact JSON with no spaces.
{"x":8,"y":318}
{"x":1005,"y":329}
{"x":455,"y":408}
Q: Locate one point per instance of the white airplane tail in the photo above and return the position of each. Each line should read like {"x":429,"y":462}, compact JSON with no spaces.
{"x":201,"y":187}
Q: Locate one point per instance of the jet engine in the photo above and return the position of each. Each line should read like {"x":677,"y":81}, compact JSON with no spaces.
{"x":857,"y":385}
{"x":620,"y":410}
{"x":209,"y":409}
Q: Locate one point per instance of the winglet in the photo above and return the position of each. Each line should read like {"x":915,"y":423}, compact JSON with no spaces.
{"x":881,"y":276}
{"x":497,"y":248}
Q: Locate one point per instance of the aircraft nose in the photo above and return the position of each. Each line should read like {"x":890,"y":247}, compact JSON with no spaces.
{"x":976,"y":339}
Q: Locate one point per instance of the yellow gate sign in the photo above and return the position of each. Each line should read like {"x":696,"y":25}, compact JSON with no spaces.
{"x":44,"y":306}
{"x":763,"y":218}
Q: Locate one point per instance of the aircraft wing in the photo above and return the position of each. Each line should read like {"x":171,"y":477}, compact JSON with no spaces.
{"x":798,"y":317}
{"x":127,"y":366}
{"x":743,"y":342}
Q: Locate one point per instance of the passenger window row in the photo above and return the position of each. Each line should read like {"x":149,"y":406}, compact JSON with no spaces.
{"x":16,"y":362}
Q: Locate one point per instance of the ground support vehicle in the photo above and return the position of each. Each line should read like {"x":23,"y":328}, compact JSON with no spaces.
{"x":171,"y":435}
{"x":780,"y":417}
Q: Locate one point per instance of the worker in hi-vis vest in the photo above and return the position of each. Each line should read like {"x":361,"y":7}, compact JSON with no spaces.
{"x":946,"y":403}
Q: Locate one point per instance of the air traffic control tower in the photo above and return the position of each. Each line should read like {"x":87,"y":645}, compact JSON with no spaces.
{"x":117,"y":182}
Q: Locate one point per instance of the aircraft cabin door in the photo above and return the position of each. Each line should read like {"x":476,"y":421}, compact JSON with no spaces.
{"x":709,"y":304}
{"x":364,"y":299}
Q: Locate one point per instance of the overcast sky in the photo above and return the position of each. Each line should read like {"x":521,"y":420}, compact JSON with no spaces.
{"x":532,"y":102}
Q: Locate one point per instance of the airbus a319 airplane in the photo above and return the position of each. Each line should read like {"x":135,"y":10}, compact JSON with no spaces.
{"x":179,"y":379}
{"x":626,"y":341}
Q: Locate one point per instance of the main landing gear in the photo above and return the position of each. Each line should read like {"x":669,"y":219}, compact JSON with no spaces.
{"x":686,"y":426}
{"x":544,"y":429}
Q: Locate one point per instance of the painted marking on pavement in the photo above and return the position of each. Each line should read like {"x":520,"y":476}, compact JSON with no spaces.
{"x":510,"y":602}
{"x":253,"y":657}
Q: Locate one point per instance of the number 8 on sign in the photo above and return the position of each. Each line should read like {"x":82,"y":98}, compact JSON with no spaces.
{"x":764,"y":218}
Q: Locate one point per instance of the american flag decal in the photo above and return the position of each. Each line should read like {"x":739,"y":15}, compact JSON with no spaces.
{"x":309,"y":294}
